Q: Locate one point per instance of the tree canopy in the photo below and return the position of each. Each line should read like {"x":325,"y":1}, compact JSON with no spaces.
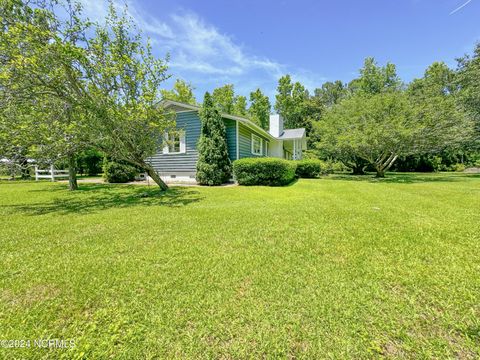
{"x":467,"y":78}
{"x":181,"y":92}
{"x":259,"y":109}
{"x":97,"y":83}
{"x":380,"y":121}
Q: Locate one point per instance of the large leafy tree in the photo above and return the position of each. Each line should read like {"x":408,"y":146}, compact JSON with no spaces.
{"x":224,"y":98}
{"x":382,"y":127}
{"x":37,"y":73}
{"x":438,"y":80}
{"x":99,"y":81}
{"x":227,"y":102}
{"x":468,"y":80}
{"x":181,"y":92}
{"x":283,"y":98}
{"x":375,"y":79}
{"x":331,"y":93}
{"x":294,"y":103}
{"x":213,"y":165}
{"x":123,"y":93}
{"x":438,"y":94}
{"x":240,"y":105}
{"x":16,"y":138}
{"x":435,"y":87}
{"x":259,"y":109}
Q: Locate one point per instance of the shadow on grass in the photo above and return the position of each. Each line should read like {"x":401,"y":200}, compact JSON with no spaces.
{"x":90,"y":198}
{"x":473,"y":333}
{"x":407,"y":178}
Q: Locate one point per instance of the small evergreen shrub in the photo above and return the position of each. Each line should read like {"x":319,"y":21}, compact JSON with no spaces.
{"x":115,"y":172}
{"x":264,"y":171}
{"x":310,"y":168}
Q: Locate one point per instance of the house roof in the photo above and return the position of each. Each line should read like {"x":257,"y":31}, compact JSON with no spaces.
{"x":290,"y":133}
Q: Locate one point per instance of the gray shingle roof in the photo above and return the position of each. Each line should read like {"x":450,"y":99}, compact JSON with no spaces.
{"x":292,"y":134}
{"x":288,"y":134}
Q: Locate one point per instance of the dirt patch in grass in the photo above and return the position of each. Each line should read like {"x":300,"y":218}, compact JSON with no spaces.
{"x":36,"y":294}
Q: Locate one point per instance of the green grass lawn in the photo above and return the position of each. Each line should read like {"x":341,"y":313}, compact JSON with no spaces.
{"x":340,"y":267}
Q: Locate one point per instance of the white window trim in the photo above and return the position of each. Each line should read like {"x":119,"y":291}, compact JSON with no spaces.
{"x":183,"y":147}
{"x":261,"y":145}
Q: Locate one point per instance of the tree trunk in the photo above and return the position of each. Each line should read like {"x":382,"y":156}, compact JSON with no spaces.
{"x":154,"y":175}
{"x":72,"y":173}
{"x":380,"y":172}
{"x":25,"y":173}
{"x":358,"y":170}
{"x":383,"y":166}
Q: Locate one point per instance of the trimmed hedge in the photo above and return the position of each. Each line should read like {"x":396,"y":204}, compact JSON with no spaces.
{"x":114,"y":172}
{"x":264,"y":171}
{"x":309,"y":168}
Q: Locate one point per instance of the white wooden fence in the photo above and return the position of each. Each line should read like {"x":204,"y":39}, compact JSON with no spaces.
{"x":51,"y":173}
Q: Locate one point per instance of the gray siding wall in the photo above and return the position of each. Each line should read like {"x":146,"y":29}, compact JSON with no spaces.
{"x":185,"y":164}
{"x":245,"y":141}
{"x":181,"y":164}
{"x":231,"y":127}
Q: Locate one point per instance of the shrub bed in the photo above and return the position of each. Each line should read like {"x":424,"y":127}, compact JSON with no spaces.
{"x":114,"y":172}
{"x":310,"y":168}
{"x":264,"y":171}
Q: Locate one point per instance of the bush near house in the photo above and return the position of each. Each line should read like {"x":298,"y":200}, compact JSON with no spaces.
{"x":264,"y":171}
{"x":310,"y":168}
{"x":115,"y":172}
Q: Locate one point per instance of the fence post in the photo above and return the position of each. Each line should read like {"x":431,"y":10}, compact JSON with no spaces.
{"x":36,"y":173}
{"x":52,"y":172}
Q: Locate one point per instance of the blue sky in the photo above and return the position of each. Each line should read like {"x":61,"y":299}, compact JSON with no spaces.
{"x":252,"y":43}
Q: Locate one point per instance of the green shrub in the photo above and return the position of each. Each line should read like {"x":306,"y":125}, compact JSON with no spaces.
{"x":458,"y":167}
{"x":264,"y":171}
{"x":90,"y":162}
{"x":309,"y":168}
{"x":114,"y":172}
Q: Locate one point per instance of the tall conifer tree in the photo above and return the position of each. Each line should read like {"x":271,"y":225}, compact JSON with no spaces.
{"x":213,"y":166}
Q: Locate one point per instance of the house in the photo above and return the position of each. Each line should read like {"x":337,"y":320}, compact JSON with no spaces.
{"x":177,"y":160}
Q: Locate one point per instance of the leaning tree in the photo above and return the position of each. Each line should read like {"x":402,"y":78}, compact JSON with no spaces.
{"x":103,"y":80}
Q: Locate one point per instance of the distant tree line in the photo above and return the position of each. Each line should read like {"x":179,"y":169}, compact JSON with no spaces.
{"x":376,"y":121}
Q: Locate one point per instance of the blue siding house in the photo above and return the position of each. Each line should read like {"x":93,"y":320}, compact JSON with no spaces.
{"x":176,"y":161}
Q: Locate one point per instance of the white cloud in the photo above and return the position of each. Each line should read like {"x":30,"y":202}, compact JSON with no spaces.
{"x":201,"y":54}
{"x":201,"y":47}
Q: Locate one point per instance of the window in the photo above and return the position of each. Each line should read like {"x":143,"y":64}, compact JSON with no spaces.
{"x":256,"y":145}
{"x":174,"y":143}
